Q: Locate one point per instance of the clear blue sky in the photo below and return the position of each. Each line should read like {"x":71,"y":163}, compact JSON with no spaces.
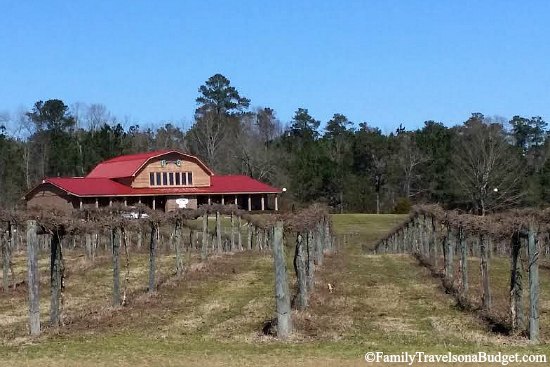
{"x":384,"y":62}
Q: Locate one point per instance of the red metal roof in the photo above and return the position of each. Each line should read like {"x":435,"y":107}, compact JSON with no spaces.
{"x":129,"y":165}
{"x":86,"y":186}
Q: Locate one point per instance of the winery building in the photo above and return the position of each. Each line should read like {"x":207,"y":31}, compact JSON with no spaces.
{"x":162,"y":180}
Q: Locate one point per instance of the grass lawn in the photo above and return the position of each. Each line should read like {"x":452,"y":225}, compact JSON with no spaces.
{"x":214,"y":314}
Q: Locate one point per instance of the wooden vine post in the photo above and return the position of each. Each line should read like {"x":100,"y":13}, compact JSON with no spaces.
{"x":301,"y":273}
{"x":178,"y":248}
{"x":33,"y":278}
{"x":56,"y":277}
{"x":218,"y":231}
{"x":516,"y":284}
{"x":115,"y":246}
{"x":463,"y":263}
{"x":484,"y":267}
{"x":282,"y":293}
{"x":204,"y":246}
{"x":6,"y":258}
{"x":152,"y":256}
{"x":533,"y":254}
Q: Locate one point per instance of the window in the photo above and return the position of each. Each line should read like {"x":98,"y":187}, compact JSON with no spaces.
{"x":178,"y":178}
{"x":165,"y":178}
{"x":158,"y":179}
{"x":151,"y":179}
{"x":190,"y":178}
{"x":183,"y":178}
{"x":171,"y":177}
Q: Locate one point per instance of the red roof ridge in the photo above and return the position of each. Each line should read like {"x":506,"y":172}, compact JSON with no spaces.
{"x":129,"y":165}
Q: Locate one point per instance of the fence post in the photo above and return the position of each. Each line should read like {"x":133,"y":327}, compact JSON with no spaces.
{"x":152,"y":257}
{"x":463,"y":262}
{"x":300,"y":269}
{"x":177,"y":244}
{"x":56,"y":278}
{"x":115,"y":246}
{"x":33,"y":278}
{"x":310,"y":240}
{"x":282,"y":294}
{"x":516,"y":286}
{"x":484,"y":267}
{"x":5,"y":261}
{"x":533,"y":254}
{"x":218,"y":232}
{"x":204,"y":246}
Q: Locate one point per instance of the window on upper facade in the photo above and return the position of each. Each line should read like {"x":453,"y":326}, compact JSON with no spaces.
{"x":151,"y":179}
{"x":190,"y":178}
{"x":165,"y":178}
{"x":183,"y":178}
{"x":178,"y":178}
{"x":157,"y":182}
{"x":171,"y":178}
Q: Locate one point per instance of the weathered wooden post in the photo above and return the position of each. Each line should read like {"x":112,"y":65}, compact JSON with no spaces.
{"x":6,"y":258}
{"x":232,"y":232}
{"x":204,"y":247}
{"x":486,"y":299}
{"x":249,"y":236}
{"x":310,"y":243}
{"x":239,"y":234}
{"x":327,"y":237}
{"x":179,"y":251}
{"x":218,"y":231}
{"x":115,"y":246}
{"x":448,"y":246}
{"x":463,"y":263}
{"x":33,"y":278}
{"x":533,"y":254}
{"x":516,"y":286}
{"x":282,"y":294}
{"x":301,"y":272}
{"x":56,"y":277}
{"x":318,"y":244}
{"x":88,"y":246}
{"x":152,"y":257}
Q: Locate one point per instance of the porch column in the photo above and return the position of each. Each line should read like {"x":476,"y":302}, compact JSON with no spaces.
{"x":276,"y":202}
{"x":223,"y":200}
{"x":154,"y":203}
{"x":249,"y":203}
{"x":209,"y":200}
{"x":96,"y":202}
{"x":236,"y":201}
{"x":110,"y":201}
{"x":126,"y":202}
{"x":80,"y":203}
{"x":139,"y":200}
{"x":263,"y":202}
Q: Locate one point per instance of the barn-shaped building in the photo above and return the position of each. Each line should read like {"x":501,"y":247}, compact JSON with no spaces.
{"x":163,"y":180}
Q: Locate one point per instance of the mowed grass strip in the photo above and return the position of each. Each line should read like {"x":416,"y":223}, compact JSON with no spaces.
{"x":213,"y":315}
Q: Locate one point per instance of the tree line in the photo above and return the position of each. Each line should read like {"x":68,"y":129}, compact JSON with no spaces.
{"x":482,"y":165}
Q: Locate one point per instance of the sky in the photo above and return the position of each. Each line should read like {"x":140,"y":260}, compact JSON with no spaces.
{"x":381,"y":62}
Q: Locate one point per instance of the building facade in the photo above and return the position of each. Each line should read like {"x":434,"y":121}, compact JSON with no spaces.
{"x":163,"y":180}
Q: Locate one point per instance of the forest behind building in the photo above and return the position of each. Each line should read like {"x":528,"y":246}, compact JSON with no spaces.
{"x":484,"y":164}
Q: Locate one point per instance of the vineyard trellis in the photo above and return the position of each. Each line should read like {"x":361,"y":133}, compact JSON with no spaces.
{"x":430,"y":233}
{"x":89,"y":227}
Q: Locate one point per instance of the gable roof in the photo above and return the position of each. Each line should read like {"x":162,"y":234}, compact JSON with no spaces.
{"x":92,"y":187}
{"x":129,"y":165}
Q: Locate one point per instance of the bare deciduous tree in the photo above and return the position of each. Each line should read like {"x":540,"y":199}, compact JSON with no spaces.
{"x":486,"y":167}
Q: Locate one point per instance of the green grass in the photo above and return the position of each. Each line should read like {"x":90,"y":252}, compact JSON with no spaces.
{"x":213,"y":315}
